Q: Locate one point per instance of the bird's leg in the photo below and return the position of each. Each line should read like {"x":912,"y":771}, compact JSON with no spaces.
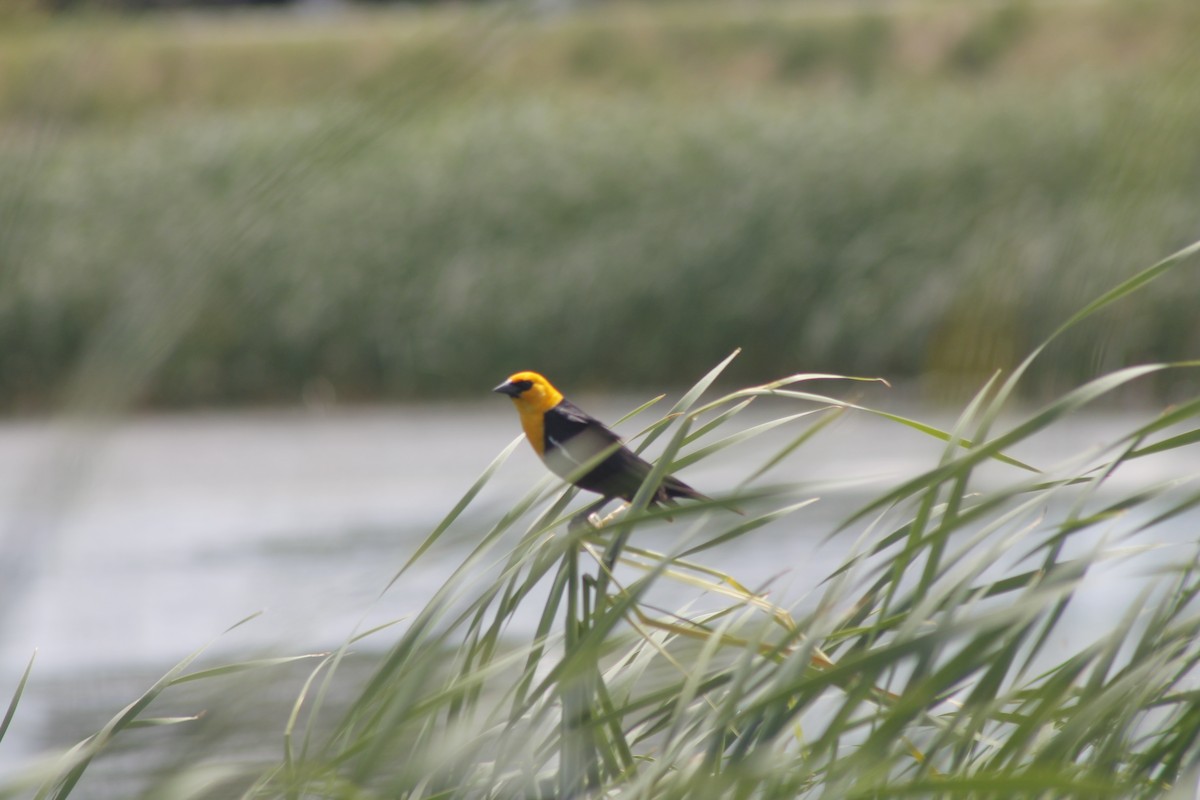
{"x":600,"y":523}
{"x":584,"y":517}
{"x":618,"y":543}
{"x":614,"y":549}
{"x":591,"y":591}
{"x":588,"y":517}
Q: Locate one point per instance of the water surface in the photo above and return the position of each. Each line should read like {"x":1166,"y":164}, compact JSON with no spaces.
{"x":129,"y":545}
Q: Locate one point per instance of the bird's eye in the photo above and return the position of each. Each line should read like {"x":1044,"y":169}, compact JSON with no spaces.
{"x":522,"y":386}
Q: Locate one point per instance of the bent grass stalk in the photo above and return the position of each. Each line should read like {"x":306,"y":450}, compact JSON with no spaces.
{"x":929,"y":664}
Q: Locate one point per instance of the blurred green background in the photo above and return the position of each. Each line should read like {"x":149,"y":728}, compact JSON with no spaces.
{"x":368,"y":204}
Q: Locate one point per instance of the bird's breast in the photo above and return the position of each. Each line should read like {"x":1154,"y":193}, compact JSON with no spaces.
{"x":534,"y":425}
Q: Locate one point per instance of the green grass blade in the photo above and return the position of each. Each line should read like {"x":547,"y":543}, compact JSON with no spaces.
{"x":16,"y":698}
{"x":455,"y":512}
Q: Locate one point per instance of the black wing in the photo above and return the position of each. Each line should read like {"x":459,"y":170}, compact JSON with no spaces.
{"x":574,"y":437}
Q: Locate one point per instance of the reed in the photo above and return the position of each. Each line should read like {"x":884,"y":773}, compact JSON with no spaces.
{"x":934,"y":662}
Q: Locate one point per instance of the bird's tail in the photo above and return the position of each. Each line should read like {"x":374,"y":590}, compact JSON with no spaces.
{"x":672,"y":488}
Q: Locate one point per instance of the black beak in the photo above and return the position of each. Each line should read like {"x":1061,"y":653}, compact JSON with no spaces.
{"x":509,"y":388}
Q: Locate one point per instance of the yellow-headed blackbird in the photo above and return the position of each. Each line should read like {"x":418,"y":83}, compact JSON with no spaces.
{"x":566,"y":438}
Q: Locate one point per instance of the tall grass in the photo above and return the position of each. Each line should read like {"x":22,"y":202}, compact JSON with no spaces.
{"x":934,"y":662}
{"x":393,"y":209}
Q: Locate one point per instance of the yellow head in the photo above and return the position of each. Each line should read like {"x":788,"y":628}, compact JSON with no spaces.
{"x":530,"y":392}
{"x":533,"y":396}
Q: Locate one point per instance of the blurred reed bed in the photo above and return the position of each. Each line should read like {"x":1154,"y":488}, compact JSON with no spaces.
{"x":251,"y":208}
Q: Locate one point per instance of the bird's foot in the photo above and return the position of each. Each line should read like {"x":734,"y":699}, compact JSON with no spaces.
{"x":585,"y":519}
{"x":612,"y":515}
{"x":589,"y":517}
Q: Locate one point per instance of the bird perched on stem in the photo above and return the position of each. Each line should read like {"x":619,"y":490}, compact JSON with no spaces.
{"x":568,"y":439}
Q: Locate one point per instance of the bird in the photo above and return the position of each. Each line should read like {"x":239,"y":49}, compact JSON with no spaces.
{"x":567,"y":439}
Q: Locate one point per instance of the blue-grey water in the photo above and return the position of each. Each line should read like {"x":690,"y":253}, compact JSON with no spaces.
{"x":129,"y":544}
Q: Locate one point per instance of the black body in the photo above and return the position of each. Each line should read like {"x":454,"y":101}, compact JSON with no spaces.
{"x":572,"y":438}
